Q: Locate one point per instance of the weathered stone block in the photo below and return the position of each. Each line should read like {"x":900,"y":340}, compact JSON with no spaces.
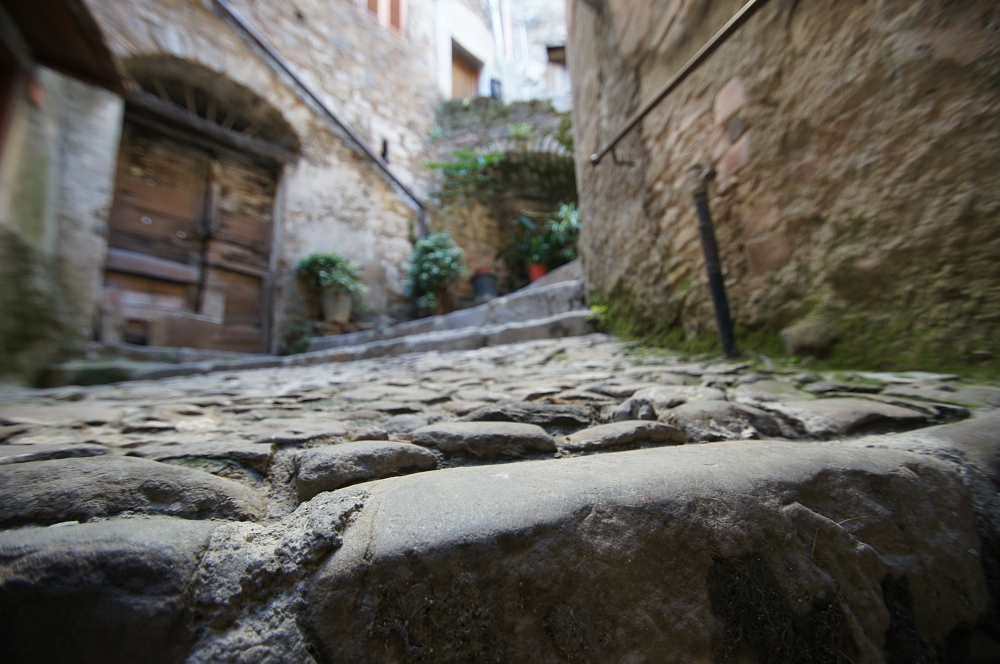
{"x":730,"y":99}
{"x":767,"y":253}
{"x":666,"y":554}
{"x":333,"y":466}
{"x":45,"y":492}
{"x":486,"y":440}
{"x":812,"y":336}
{"x":116,"y":591}
{"x":622,"y":435}
{"x":735,"y":158}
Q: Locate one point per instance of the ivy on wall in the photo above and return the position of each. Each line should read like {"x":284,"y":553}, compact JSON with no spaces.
{"x":472,"y":176}
{"x":516,"y":162}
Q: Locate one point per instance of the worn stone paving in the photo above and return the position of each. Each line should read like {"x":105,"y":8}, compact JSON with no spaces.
{"x":511,"y":503}
{"x":288,"y":434}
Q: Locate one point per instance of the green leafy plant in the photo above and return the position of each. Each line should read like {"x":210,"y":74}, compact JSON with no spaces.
{"x":520,"y":131}
{"x":528,"y":244}
{"x":331,"y":271}
{"x":294,"y":335}
{"x":600,"y":317}
{"x":537,"y":250}
{"x":563,"y":233}
{"x":565,"y":135}
{"x":549,"y":238}
{"x":467,"y":176}
{"x":436,"y":263}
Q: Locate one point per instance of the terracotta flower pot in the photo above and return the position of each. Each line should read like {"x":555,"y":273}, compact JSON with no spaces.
{"x":336,"y":306}
{"x":536,"y":271}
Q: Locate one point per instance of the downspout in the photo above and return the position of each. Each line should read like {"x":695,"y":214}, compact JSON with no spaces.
{"x":311,"y":97}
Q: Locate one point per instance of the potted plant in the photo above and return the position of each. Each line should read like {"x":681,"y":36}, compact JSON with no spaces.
{"x":537,"y":251}
{"x":335,"y":280}
{"x":436,"y":263}
{"x":529,"y":249}
{"x":562,"y":233}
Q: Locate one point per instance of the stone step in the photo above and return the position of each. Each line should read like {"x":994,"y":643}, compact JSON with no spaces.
{"x":541,"y":312}
{"x":524,"y":305}
{"x":567,"y":324}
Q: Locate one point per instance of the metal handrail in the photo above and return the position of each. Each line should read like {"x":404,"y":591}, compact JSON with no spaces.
{"x":734,"y":24}
{"x":312,"y":96}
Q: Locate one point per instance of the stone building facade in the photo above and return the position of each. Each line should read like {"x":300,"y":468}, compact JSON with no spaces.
{"x":858,"y":160}
{"x":326,"y":196}
{"x":247,"y":135}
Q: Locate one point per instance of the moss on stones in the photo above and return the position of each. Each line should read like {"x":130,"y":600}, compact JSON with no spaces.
{"x":892,"y":341}
{"x":31,"y":331}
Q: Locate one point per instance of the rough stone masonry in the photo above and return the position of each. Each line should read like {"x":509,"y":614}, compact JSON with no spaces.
{"x":856,"y":147}
{"x":573,"y":500}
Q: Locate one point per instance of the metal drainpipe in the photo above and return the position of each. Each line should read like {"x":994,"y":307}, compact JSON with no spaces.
{"x":698,"y":179}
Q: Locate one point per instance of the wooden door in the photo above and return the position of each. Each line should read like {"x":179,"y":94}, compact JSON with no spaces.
{"x":238,"y":251}
{"x":464,"y":77}
{"x":189,"y":244}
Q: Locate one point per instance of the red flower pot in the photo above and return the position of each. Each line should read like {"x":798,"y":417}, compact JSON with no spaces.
{"x":536,"y":271}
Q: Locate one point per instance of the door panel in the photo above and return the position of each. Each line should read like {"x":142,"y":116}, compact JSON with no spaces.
{"x":244,"y":295}
{"x":195,"y":206}
{"x":246,"y":205}
{"x":165,"y":160}
{"x":159,"y":197}
{"x":245,"y":231}
{"x":155,"y":234}
{"x":236,"y":258}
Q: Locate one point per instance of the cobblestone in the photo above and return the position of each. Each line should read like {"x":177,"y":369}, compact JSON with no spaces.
{"x":275,"y":492}
{"x":248,"y":426}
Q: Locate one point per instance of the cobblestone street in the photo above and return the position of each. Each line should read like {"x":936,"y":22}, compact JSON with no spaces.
{"x":238,"y":507}
{"x":535,"y":400}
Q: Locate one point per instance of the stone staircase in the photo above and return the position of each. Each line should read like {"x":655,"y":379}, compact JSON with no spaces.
{"x":541,"y":312}
{"x":545,"y":311}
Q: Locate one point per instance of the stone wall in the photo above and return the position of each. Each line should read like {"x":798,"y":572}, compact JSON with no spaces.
{"x":532,"y":137}
{"x":856,"y":145}
{"x":380,"y":81}
{"x":56,"y":174}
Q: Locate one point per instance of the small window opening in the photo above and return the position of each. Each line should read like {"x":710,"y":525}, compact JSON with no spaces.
{"x":385,"y":151}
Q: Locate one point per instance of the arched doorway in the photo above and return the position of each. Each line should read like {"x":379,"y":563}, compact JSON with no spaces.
{"x":191,"y":225}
